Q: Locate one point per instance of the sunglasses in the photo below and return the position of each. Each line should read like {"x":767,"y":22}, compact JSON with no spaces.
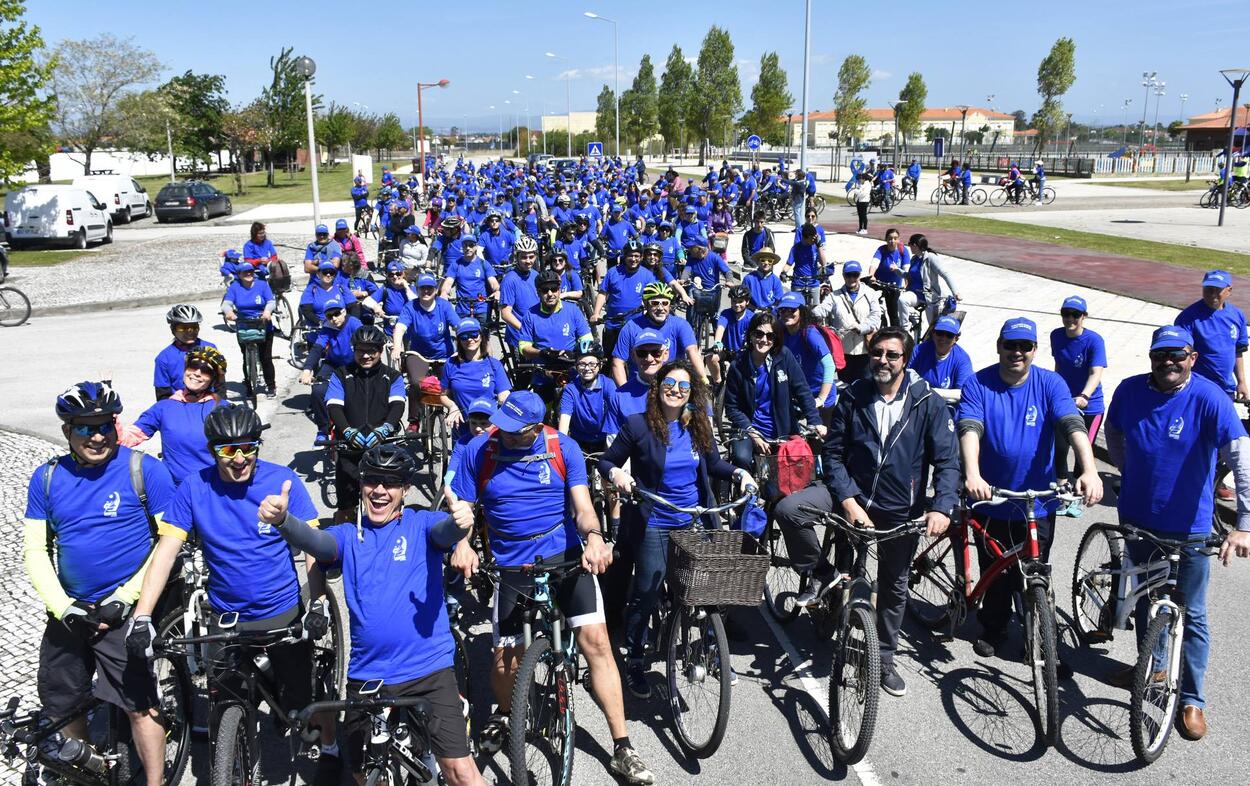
{"x":786,"y":310}
{"x":84,"y":431}
{"x":329,"y":273}
{"x":644,"y":352}
{"x":1068,"y":313}
{"x":395,"y":275}
{"x":201,"y":366}
{"x":887,"y":354}
{"x":1018,"y":346}
{"x":384,"y":481}
{"x":658,"y":302}
{"x":1170,"y":355}
{"x":335,"y":314}
{"x":247,"y":272}
{"x":468,"y":336}
{"x":762,"y":335}
{"x":244,"y":449}
{"x":668,"y":383}
{"x":548,"y":290}
{"x":942,"y":334}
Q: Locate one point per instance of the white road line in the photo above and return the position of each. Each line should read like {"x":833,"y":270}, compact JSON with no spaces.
{"x":802,"y":670}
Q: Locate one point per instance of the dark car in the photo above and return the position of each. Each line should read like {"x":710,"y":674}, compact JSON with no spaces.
{"x":191,"y":199}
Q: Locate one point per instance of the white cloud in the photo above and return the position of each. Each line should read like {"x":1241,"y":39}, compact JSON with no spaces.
{"x":603,"y":72}
{"x":878,"y":74}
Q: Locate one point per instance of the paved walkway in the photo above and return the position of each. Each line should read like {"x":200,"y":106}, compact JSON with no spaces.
{"x":1185,"y":226}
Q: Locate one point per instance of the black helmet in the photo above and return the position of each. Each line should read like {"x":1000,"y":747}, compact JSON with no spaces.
{"x":238,"y":423}
{"x":88,"y":399}
{"x":590,"y":348}
{"x":368,"y":336}
{"x":632,"y":246}
{"x":653,"y":247}
{"x":740,"y":292}
{"x":387,"y":461}
{"x":568,"y":226}
{"x":546,"y":279}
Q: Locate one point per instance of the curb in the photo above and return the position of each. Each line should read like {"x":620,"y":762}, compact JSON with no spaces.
{"x":112,"y":305}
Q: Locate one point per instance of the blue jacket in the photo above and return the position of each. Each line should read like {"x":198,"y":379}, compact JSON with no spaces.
{"x":792,"y":398}
{"x":890,"y":480}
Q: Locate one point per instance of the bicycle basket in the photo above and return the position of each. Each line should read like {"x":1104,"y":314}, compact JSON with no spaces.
{"x":706,"y":301}
{"x":715,"y":568}
{"x":431,"y":392}
{"x":279,"y":277}
{"x":251,"y":335}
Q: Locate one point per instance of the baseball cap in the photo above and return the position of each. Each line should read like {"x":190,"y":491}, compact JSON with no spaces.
{"x":332,"y":304}
{"x":947,"y":324}
{"x":232,"y":254}
{"x":1217,"y":278}
{"x":321,"y":229}
{"x":469,"y":325}
{"x":1019,"y":328}
{"x":481,"y":406}
{"x":519,"y":411}
{"x":340,"y":224}
{"x":326,"y":264}
{"x":1171,"y":337}
{"x":468,"y":240}
{"x":426,"y":280}
{"x":1075,"y":303}
{"x":648,"y":337}
{"x":791,"y":300}
{"x":411,"y":229}
{"x":852,"y":267}
{"x":244,"y":267}
{"x":692,"y":240}
{"x":394,"y":266}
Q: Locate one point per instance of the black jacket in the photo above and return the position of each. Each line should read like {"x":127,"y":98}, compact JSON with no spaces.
{"x":890,"y":480}
{"x":367,"y":402}
{"x":792,"y":398}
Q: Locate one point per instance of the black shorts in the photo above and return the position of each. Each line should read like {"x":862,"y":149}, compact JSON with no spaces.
{"x":577,"y":597}
{"x":347,"y":478}
{"x":67,"y":662}
{"x":448,"y":731}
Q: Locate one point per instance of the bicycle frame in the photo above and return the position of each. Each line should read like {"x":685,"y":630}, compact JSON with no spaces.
{"x":33,"y":731}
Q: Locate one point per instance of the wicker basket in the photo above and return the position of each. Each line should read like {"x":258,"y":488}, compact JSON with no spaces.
{"x":710,"y":568}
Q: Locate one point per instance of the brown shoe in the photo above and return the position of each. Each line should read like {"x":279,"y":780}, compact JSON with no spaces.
{"x":1123,"y":678}
{"x":1191,"y":723}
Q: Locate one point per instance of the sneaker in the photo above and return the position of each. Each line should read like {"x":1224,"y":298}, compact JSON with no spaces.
{"x":891,"y":682}
{"x":628,"y":764}
{"x":320,"y":440}
{"x":986,"y":647}
{"x":329,"y":770}
{"x":271,"y":392}
{"x":636,"y":681}
{"x":816,"y":589}
{"x":861,"y":232}
{"x":491,"y":739}
{"x":1075,"y":509}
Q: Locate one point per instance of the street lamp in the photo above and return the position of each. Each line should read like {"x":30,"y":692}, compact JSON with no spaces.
{"x":616,"y":75}
{"x":568,"y":94}
{"x":1154,"y":127}
{"x":529,"y":129}
{"x":894,"y":105}
{"x":1148,"y":81}
{"x":516,"y":114}
{"x":501,"y":114}
{"x":1127,"y":101}
{"x":305,"y":67}
{"x":421,"y":122}
{"x":807,"y":52}
{"x":1235,"y":77}
{"x":963,"y":125}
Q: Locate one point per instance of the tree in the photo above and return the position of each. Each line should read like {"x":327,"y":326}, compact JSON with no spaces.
{"x":853,"y":78}
{"x":143,"y":118}
{"x":640,"y":106}
{"x":1055,"y":76}
{"x":390,"y":134}
{"x":605,"y":115}
{"x":770,"y":98}
{"x":933,"y":132}
{"x":717,"y":97}
{"x":1020,"y":120}
{"x":25,"y":107}
{"x":89,"y":78}
{"x":673,"y":104}
{"x":364,"y":130}
{"x":334,"y":128}
{"x":911,"y":108}
{"x":283,"y":102}
{"x":198,"y":101}
{"x":1174,"y":128}
{"x":976,"y":137}
{"x":241,"y":135}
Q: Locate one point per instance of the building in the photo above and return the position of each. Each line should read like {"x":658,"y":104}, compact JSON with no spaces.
{"x":1210,"y":131}
{"x":583,"y":122}
{"x":880,"y":127}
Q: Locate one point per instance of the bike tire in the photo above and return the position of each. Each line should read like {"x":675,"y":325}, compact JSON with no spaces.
{"x":1152,"y":708}
{"x":854,"y":686}
{"x":935,"y":196}
{"x":440,"y":443}
{"x":14,"y":307}
{"x":932,"y":583}
{"x":1048,"y":196}
{"x":696,"y":652}
{"x":1207,"y":199}
{"x":329,"y":491}
{"x":819,"y":203}
{"x":283,"y":318}
{"x":251,"y":372}
{"x":850,"y":198}
{"x":464,"y":682}
{"x":1042,"y":656}
{"x":1099,"y":557}
{"x":232,"y":756}
{"x":998,"y":197}
{"x":782,"y":584}
{"x":542,"y":725}
{"x":330,"y":652}
{"x":978,"y":196}
{"x":197,"y":707}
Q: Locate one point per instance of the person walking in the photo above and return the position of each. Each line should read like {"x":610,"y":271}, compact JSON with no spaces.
{"x":863,"y":197}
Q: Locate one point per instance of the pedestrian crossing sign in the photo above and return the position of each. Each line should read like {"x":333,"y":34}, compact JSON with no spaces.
{"x":594,"y":149}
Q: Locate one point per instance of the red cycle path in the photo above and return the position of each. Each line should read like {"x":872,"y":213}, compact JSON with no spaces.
{"x":1155,"y":282}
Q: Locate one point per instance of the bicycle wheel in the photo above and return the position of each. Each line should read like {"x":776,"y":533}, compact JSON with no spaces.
{"x":195,"y":714}
{"x":935,"y":196}
{"x":1042,"y":655}
{"x":1207,"y":200}
{"x":440,"y":444}
{"x":283,"y":319}
{"x":1152,"y":709}
{"x":14,"y":307}
{"x":998,"y":197}
{"x":329,"y":491}
{"x":818,"y":203}
{"x":978,"y":196}
{"x":782,"y":583}
{"x":542,"y":724}
{"x":1098,"y":558}
{"x":854,"y":686}
{"x":850,"y":198}
{"x":233,"y":763}
{"x":933,"y":582}
{"x":697,"y":655}
{"x":331,"y":650}
{"x":251,"y":372}
{"x":1048,"y":196}
{"x":464,"y":678}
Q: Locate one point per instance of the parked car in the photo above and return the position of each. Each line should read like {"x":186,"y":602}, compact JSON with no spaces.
{"x":123,"y":195}
{"x":539,"y":158}
{"x":191,"y":199}
{"x":55,"y":213}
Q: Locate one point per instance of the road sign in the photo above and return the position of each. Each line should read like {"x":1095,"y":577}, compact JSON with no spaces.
{"x":939,"y":146}
{"x":754,"y":142}
{"x":594,"y":149}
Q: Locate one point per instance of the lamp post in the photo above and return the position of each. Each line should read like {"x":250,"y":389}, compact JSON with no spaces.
{"x":807,"y":52}
{"x":517,"y":115}
{"x":421,"y":123}
{"x":305,"y":67}
{"x":616,"y":76}
{"x":1127,"y":101}
{"x":1235,"y":77}
{"x":894,"y":105}
{"x":568,"y":95}
{"x":963,"y":126}
{"x":1148,"y":80}
{"x":1154,"y":127}
{"x":529,"y":129}
{"x":501,"y":114}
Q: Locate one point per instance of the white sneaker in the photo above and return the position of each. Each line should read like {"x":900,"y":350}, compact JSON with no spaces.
{"x":861,"y":231}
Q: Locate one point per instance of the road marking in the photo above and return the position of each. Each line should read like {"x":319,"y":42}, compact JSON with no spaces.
{"x":802,"y":670}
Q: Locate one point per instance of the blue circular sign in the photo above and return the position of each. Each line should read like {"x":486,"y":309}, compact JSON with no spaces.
{"x":754,"y":142}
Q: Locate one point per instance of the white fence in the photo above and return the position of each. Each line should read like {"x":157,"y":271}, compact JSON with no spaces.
{"x":67,"y":166}
{"x":1198,"y":164}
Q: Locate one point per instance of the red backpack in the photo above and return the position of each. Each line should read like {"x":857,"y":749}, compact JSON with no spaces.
{"x":834,"y":342}
{"x":490,"y":457}
{"x":795,"y":465}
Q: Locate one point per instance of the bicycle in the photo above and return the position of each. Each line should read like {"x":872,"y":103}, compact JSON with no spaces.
{"x":14,"y":305}
{"x":941,"y":590}
{"x":1046,"y":196}
{"x":252,"y":334}
{"x":703,"y":313}
{"x":882,"y":199}
{"x":815,"y":202}
{"x":434,"y":439}
{"x":1105,"y":594}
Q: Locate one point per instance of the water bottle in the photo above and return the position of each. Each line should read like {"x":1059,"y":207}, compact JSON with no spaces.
{"x":81,"y":754}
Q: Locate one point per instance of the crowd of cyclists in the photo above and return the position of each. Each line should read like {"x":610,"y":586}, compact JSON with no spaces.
{"x":538,"y":310}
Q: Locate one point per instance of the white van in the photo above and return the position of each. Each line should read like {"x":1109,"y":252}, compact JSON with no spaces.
{"x":122,"y":195}
{"x":47,"y":213}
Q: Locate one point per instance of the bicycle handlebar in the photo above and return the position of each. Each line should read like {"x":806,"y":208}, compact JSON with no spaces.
{"x":1062,"y":491}
{"x":697,"y":510}
{"x":830,"y":518}
{"x":420,"y":704}
{"x":1209,"y":543}
{"x":292,"y":633}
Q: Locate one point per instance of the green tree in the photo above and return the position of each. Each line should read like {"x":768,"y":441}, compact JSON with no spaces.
{"x":89,"y":78}
{"x":1020,"y":121}
{"x":674,"y":99}
{"x":283,"y":101}
{"x":605,"y":116}
{"x":334,"y":128}
{"x":911,"y":107}
{"x":1055,"y":76}
{"x":25,"y":106}
{"x":142,"y":120}
{"x":199,"y":101}
{"x":364,"y":131}
{"x":770,"y":98}
{"x":717,"y":97}
{"x":241,"y":136}
{"x":933,"y":132}
{"x":640,"y":106}
{"x":390,"y":134}
{"x":852,"y":114}
{"x":1174,"y":128}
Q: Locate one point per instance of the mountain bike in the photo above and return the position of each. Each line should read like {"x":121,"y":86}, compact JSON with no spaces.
{"x":816,"y":202}
{"x":14,"y":305}
{"x":1106,"y":590}
{"x":252,"y":334}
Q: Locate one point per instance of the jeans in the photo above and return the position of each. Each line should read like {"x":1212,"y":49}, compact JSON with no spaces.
{"x":796,"y":210}
{"x":894,"y":558}
{"x":650,"y":565}
{"x":861,"y":209}
{"x":1191,"y":583}
{"x":995,"y":611}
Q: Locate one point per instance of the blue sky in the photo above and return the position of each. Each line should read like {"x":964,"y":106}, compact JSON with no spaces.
{"x":966,"y":51}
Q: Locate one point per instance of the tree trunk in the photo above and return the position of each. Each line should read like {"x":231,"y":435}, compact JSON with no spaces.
{"x":269,"y":167}
{"x":43,"y":166}
{"x":86,"y":162}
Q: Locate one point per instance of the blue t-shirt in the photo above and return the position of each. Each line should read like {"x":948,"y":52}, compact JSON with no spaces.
{"x":470,"y":277}
{"x":317,"y":296}
{"x":735,"y":336}
{"x":811,"y":351}
{"x":171,"y":363}
{"x":765,"y":290}
{"x":497,"y":248}
{"x":102,"y":533}
{"x":392,"y":299}
{"x":587,"y":407}
{"x":393,"y":587}
{"x":558,"y":330}
{"x":525,"y":502}
{"x":615,"y":233}
{"x":1219,"y":337}
{"x":575,"y":249}
{"x":519,"y":291}
{"x":709,"y":269}
{"x":676,"y":332}
{"x":892,"y":266}
{"x":1074,"y":357}
{"x":465,"y":381}
{"x":1170,"y":448}
{"x":248,"y":302}
{"x":630,"y":399}
{"x":679,"y":483}
{"x":262,"y":250}
{"x":250,"y":568}
{"x":952,"y":371}
{"x":762,"y":415}
{"x":624,"y":290}
{"x":336,"y":344}
{"x":429,"y":333}
{"x":181,"y":425}
{"x":1018,"y":446}
{"x":805,"y":260}
{"x":322,"y":253}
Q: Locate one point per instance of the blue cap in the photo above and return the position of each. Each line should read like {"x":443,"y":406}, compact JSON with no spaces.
{"x":244,"y":267}
{"x":340,"y":224}
{"x":1075,"y":303}
{"x":1171,"y":337}
{"x":650,"y":221}
{"x":232,"y":254}
{"x":394,"y":266}
{"x":791,"y":300}
{"x":688,"y":209}
{"x":1217,"y":278}
{"x":332,"y":304}
{"x":520,"y":410}
{"x":666,"y":224}
{"x":322,"y":229}
{"x":648,"y":337}
{"x":481,"y":406}
{"x":468,"y":240}
{"x":468,"y":325}
{"x":947,"y":324}
{"x":1019,"y":328}
{"x":617,"y":207}
{"x":427,"y":280}
{"x":852,"y":267}
{"x":412,"y":229}
{"x":326,"y":264}
{"x":690,"y":241}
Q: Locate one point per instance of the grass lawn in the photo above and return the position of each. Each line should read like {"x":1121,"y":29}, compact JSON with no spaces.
{"x":334,"y":184}
{"x":1198,"y":183}
{"x":1186,"y":256}
{"x":40,"y":258}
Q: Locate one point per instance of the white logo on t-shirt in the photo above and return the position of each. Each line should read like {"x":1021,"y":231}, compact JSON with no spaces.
{"x":1078,"y":361}
{"x":565,"y":330}
{"x":258,"y":300}
{"x":111,"y":505}
{"x":781,"y":375}
{"x":486,"y":380}
{"x":1177,"y":426}
{"x":1030,"y":416}
{"x":1232,"y":332}
{"x":400,"y":552}
{"x":263,"y":527}
{"x":544,"y":473}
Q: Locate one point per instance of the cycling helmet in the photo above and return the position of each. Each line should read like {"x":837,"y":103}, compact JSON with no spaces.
{"x":184,"y":314}
{"x":632,"y":246}
{"x":582,"y":218}
{"x":226,"y":425}
{"x":655,"y":290}
{"x":403,"y":188}
{"x":559,"y":252}
{"x":88,"y":399}
{"x":209,"y":356}
{"x":546,"y":279}
{"x":591,"y":348}
{"x":368,"y":336}
{"x":563,"y":199}
{"x":436,"y":203}
{"x":451,"y":222}
{"x":740,"y":292}
{"x":387,"y":461}
{"x":525,"y":245}
{"x":568,"y":226}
